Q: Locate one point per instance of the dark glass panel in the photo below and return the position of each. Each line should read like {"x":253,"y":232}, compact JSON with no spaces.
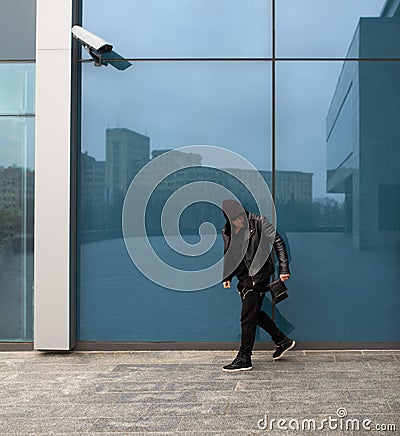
{"x":337,"y":179}
{"x":136,"y":117}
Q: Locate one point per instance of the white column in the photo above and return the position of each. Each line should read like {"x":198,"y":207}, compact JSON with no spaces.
{"x":52,"y":176}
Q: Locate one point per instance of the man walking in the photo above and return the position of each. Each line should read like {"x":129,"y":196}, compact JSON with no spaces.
{"x":247,"y":241}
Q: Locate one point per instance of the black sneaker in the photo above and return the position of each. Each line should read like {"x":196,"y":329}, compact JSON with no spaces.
{"x":281,"y":348}
{"x":242,"y":362}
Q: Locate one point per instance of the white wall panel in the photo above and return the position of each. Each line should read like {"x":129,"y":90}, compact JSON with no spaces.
{"x":53,"y":29}
{"x":52,"y":176}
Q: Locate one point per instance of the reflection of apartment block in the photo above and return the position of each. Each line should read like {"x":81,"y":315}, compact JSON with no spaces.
{"x":363,"y":131}
{"x":175,"y":159}
{"x":93,"y":181}
{"x":16,"y":186}
{"x":293,"y":186}
{"x":126,"y":153}
{"x":173,"y":165}
{"x":290,"y":186}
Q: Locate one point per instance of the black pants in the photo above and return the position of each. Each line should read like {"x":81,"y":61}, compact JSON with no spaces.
{"x":252,"y":316}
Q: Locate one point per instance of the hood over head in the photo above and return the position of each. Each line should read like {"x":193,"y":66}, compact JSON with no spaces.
{"x":232,"y":209}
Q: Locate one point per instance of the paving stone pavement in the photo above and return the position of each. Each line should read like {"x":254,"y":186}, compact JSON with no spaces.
{"x":185,"y":392}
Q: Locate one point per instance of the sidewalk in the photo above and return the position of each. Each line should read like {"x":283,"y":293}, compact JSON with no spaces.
{"x":185,"y":392}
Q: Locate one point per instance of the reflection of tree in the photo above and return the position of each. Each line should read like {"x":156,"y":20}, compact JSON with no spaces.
{"x":16,"y":209}
{"x":328,"y":214}
{"x":9,"y":223}
{"x":294,"y":216}
{"x":12,"y":231}
{"x":323,"y":214}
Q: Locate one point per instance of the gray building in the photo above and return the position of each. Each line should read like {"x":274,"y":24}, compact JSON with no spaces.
{"x":291,"y":186}
{"x":93,"y":189}
{"x":127,"y":152}
{"x":363,"y":153}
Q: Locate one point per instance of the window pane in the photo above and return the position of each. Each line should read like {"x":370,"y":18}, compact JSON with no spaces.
{"x":182,"y":28}
{"x":17,"y":89}
{"x":336,"y":28}
{"x":16,"y":228}
{"x":145,"y":111}
{"x":337,"y":180}
{"x":17,"y":29}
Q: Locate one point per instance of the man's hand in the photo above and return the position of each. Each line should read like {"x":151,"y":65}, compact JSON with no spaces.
{"x":227,"y":284}
{"x":284,"y":277}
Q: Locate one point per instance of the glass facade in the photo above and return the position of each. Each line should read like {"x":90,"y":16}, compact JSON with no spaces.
{"x":16,"y":201}
{"x":339,"y":252}
{"x":330,"y":125}
{"x":17,"y":169}
{"x":147,"y":110}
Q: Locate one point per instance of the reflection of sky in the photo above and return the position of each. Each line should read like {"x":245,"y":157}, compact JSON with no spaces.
{"x":319,"y":28}
{"x":191,"y":28}
{"x":180,"y":104}
{"x":304,"y":92}
{"x":17,"y":142}
{"x":224,"y":104}
{"x":17,"y":88}
{"x":17,"y":93}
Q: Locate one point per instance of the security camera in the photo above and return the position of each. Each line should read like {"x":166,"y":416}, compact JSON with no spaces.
{"x":92,"y":43}
{"x":101,"y":51}
{"x":90,"y":40}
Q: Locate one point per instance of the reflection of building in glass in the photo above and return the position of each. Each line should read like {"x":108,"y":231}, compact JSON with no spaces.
{"x":127,"y":152}
{"x":104,"y":184}
{"x":363,"y":135}
{"x":294,"y":193}
{"x":16,"y":205}
{"x":293,"y":198}
{"x":177,"y":159}
{"x":293,"y":201}
{"x":291,"y":186}
{"x":93,"y":189}
{"x":16,"y":186}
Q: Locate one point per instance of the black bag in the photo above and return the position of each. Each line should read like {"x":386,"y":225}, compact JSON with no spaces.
{"x":278,"y":291}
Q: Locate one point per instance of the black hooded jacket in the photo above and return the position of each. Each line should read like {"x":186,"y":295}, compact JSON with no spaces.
{"x":259,"y":234}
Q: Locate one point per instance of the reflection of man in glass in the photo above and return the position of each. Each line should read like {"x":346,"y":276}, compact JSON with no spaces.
{"x":247,"y":238}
